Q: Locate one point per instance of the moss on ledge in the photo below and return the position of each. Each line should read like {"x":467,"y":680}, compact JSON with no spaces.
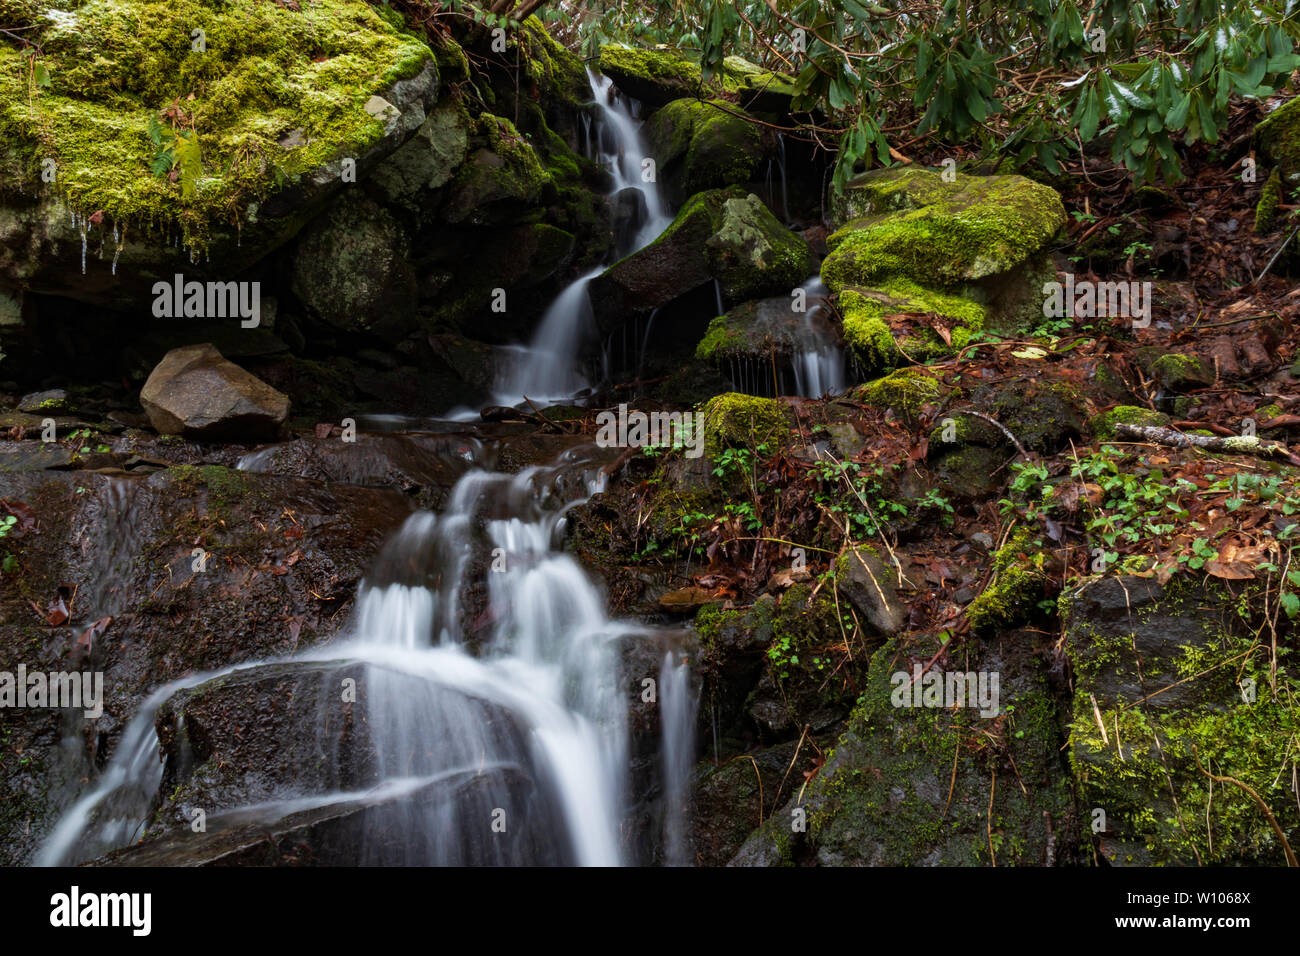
{"x":906,"y":391}
{"x":267,"y":74}
{"x":1015,"y":588}
{"x":733,"y":420}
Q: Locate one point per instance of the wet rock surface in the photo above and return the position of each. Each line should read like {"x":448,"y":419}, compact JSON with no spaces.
{"x":195,"y":392}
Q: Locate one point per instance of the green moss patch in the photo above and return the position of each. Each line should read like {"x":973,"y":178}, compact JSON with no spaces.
{"x":276,"y":93}
{"x":1103,"y":425}
{"x":734,"y":420}
{"x":908,"y":223}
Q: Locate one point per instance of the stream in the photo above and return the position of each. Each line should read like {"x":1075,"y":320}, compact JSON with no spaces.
{"x":504,"y":743}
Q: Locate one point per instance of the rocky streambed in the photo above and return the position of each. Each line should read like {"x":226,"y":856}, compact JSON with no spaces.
{"x":930,"y":585}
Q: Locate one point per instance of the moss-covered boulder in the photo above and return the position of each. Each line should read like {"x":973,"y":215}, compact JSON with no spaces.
{"x":907,"y":392}
{"x":1175,"y":371}
{"x":1166,"y":677}
{"x":254,"y":118}
{"x":755,"y":88}
{"x":923,"y":780}
{"x":753,"y":254}
{"x":502,"y":176}
{"x":765,"y":330}
{"x":700,"y":145}
{"x":722,"y":235}
{"x":981,"y":237}
{"x":655,"y":77}
{"x":870,"y":316}
{"x":1278,"y":138}
{"x":351,"y":270}
{"x":733,"y":420}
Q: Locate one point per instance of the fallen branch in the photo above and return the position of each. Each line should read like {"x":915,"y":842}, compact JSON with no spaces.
{"x":1002,"y":428}
{"x":1259,"y":802}
{"x":1237,"y":445}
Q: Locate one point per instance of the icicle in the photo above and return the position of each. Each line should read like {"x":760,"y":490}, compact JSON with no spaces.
{"x":82,"y":228}
{"x":119,"y":240}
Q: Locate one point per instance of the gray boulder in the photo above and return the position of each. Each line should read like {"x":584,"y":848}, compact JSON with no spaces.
{"x":197,"y":393}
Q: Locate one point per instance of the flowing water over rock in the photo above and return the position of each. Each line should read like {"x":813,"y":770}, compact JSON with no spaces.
{"x":494,"y":726}
{"x":819,"y":361}
{"x":548,"y":369}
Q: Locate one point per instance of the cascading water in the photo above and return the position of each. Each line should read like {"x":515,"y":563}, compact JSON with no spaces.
{"x":547,"y":370}
{"x":494,"y":684}
{"x":519,"y":710}
{"x":819,"y":361}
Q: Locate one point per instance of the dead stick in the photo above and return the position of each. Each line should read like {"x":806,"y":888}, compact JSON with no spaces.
{"x":1232,"y":446}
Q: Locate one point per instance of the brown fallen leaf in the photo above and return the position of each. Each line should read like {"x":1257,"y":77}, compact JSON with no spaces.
{"x":85,"y":643}
{"x":1229,"y":572}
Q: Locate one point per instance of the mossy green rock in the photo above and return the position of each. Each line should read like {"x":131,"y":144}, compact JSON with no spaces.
{"x":760,"y":330}
{"x":1278,"y":137}
{"x":1014,"y":588}
{"x":655,"y":77}
{"x":1175,"y":371}
{"x":756,"y":88}
{"x":723,"y":235}
{"x":905,"y":787}
{"x":734,"y":420}
{"x":1173,"y":675}
{"x":277,"y":97}
{"x":753,"y":254}
{"x":980,"y":237}
{"x":868,"y":332}
{"x":701,"y":145}
{"x":502,"y":176}
{"x":906,"y":391}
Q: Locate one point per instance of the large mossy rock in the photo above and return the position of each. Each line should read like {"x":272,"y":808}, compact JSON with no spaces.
{"x":700,"y":145}
{"x":1278,"y":137}
{"x":197,"y":393}
{"x":502,"y":177}
{"x":350,"y":269}
{"x":757,"y":89}
{"x":1164,"y":676}
{"x":279,"y":99}
{"x":763,"y":329}
{"x":983,"y":238}
{"x":929,"y":785}
{"x":724,"y":236}
{"x":655,"y":77}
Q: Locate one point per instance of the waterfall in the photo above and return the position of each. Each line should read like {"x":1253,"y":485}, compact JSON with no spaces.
{"x":518,"y":710}
{"x":547,"y":370}
{"x":677,"y":712}
{"x":819,"y":360}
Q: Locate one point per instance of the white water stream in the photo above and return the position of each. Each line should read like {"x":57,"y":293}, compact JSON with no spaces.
{"x":550,"y":660}
{"x":547,"y":370}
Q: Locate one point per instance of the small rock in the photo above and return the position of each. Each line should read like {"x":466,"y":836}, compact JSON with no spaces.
{"x":35,"y":456}
{"x":866,"y":583}
{"x":51,"y":402}
{"x":685,"y":600}
{"x":197,"y":393}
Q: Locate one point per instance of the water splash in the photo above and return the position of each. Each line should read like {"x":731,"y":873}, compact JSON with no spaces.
{"x":531,"y":708}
